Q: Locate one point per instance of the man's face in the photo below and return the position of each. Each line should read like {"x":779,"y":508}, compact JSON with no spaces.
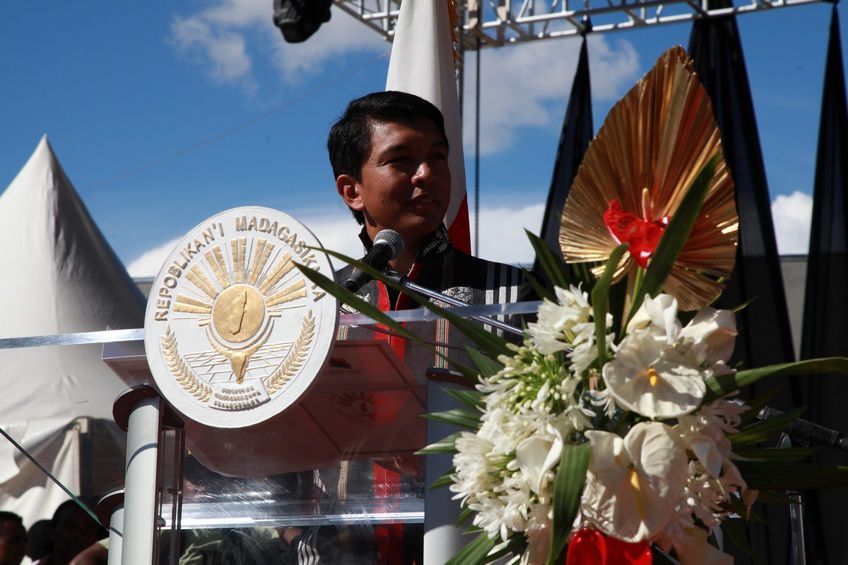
{"x":12,"y":543}
{"x":405,"y":181}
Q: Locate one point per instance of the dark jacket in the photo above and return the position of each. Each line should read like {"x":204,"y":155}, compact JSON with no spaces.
{"x":439,"y":266}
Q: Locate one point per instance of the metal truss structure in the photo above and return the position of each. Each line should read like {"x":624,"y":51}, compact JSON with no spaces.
{"x":497,"y":23}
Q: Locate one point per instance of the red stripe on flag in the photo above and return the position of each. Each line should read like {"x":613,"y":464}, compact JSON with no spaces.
{"x":460,"y":230}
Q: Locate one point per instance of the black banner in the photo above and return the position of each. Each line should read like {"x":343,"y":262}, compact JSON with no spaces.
{"x":764,"y":331}
{"x":825,"y":330}
{"x":576,"y":134}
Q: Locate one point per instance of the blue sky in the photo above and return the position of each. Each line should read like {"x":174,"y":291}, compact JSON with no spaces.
{"x":165,"y":113}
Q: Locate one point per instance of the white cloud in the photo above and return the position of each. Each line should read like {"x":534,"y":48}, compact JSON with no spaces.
{"x":528,"y":85}
{"x":148,"y":263}
{"x":501,"y":229}
{"x":614,"y":68}
{"x":225,"y":37}
{"x":226,"y":51}
{"x":502,"y":236}
{"x":523,"y":85}
{"x":792,"y":215}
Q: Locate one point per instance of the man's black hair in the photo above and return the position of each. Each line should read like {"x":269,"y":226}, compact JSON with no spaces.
{"x":6,"y":516}
{"x":349,"y":142}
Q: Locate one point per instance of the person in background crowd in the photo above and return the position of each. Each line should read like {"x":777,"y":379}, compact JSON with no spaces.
{"x":13,"y":539}
{"x":96,"y":554}
{"x":39,"y":540}
{"x":73,"y":531}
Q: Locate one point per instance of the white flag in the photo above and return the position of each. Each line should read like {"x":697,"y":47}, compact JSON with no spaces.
{"x":422,"y":64}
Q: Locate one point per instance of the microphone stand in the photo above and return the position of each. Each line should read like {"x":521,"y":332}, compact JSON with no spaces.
{"x":797,"y":551}
{"x":404,"y":282}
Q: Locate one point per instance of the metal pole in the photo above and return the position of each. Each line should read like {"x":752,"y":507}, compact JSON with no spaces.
{"x":116,"y":536}
{"x":140,"y":489}
{"x":477,"y":136}
{"x":442,"y":538}
{"x":798,"y":551}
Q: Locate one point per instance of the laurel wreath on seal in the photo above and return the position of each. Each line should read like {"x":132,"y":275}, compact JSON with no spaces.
{"x":296,"y":357}
{"x":182,"y":374}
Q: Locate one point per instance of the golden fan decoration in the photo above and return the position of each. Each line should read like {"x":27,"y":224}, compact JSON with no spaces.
{"x":637,"y":170}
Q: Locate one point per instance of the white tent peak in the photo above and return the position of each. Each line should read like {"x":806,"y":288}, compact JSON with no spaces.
{"x":44,"y":148}
{"x":41,"y":171}
{"x":60,"y":276}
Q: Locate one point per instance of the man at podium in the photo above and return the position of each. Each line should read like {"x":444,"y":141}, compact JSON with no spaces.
{"x":389,"y":153}
{"x":389,"y":156}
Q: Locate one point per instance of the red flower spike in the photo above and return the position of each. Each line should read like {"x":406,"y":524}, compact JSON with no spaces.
{"x":641,"y":236}
{"x":591,"y":547}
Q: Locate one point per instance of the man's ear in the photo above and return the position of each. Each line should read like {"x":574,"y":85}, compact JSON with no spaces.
{"x":348,"y":188}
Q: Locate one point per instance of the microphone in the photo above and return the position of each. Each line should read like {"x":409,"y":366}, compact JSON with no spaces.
{"x":388,"y":244}
{"x":808,"y":433}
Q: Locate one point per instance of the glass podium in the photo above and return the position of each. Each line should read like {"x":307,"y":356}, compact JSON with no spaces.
{"x":332,"y":480}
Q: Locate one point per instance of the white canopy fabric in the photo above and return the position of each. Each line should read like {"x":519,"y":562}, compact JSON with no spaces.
{"x":60,"y":276}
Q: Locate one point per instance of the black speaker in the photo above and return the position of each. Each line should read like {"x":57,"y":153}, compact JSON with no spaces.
{"x":299,"y":19}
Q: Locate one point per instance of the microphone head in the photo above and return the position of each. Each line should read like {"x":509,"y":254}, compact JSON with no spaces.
{"x":392,"y":239}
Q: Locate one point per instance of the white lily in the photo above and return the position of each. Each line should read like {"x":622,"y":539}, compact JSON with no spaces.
{"x":536,"y":456}
{"x":633,"y":484}
{"x":713,"y":334}
{"x":651,"y":378}
{"x":658,"y":314}
{"x":710,"y":335}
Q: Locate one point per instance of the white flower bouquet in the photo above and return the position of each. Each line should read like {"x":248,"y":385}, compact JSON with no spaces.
{"x":644,"y":428}
{"x":616,"y":427}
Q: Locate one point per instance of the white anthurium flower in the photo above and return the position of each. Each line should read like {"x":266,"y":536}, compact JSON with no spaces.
{"x":633,"y":484}
{"x":651,"y":378}
{"x":537,"y":455}
{"x":713,"y":333}
{"x":658,"y":313}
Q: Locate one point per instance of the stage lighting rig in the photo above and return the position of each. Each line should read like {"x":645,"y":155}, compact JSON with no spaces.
{"x":299,"y":19}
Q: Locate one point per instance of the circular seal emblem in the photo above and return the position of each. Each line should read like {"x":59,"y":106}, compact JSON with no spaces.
{"x":234,"y":332}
